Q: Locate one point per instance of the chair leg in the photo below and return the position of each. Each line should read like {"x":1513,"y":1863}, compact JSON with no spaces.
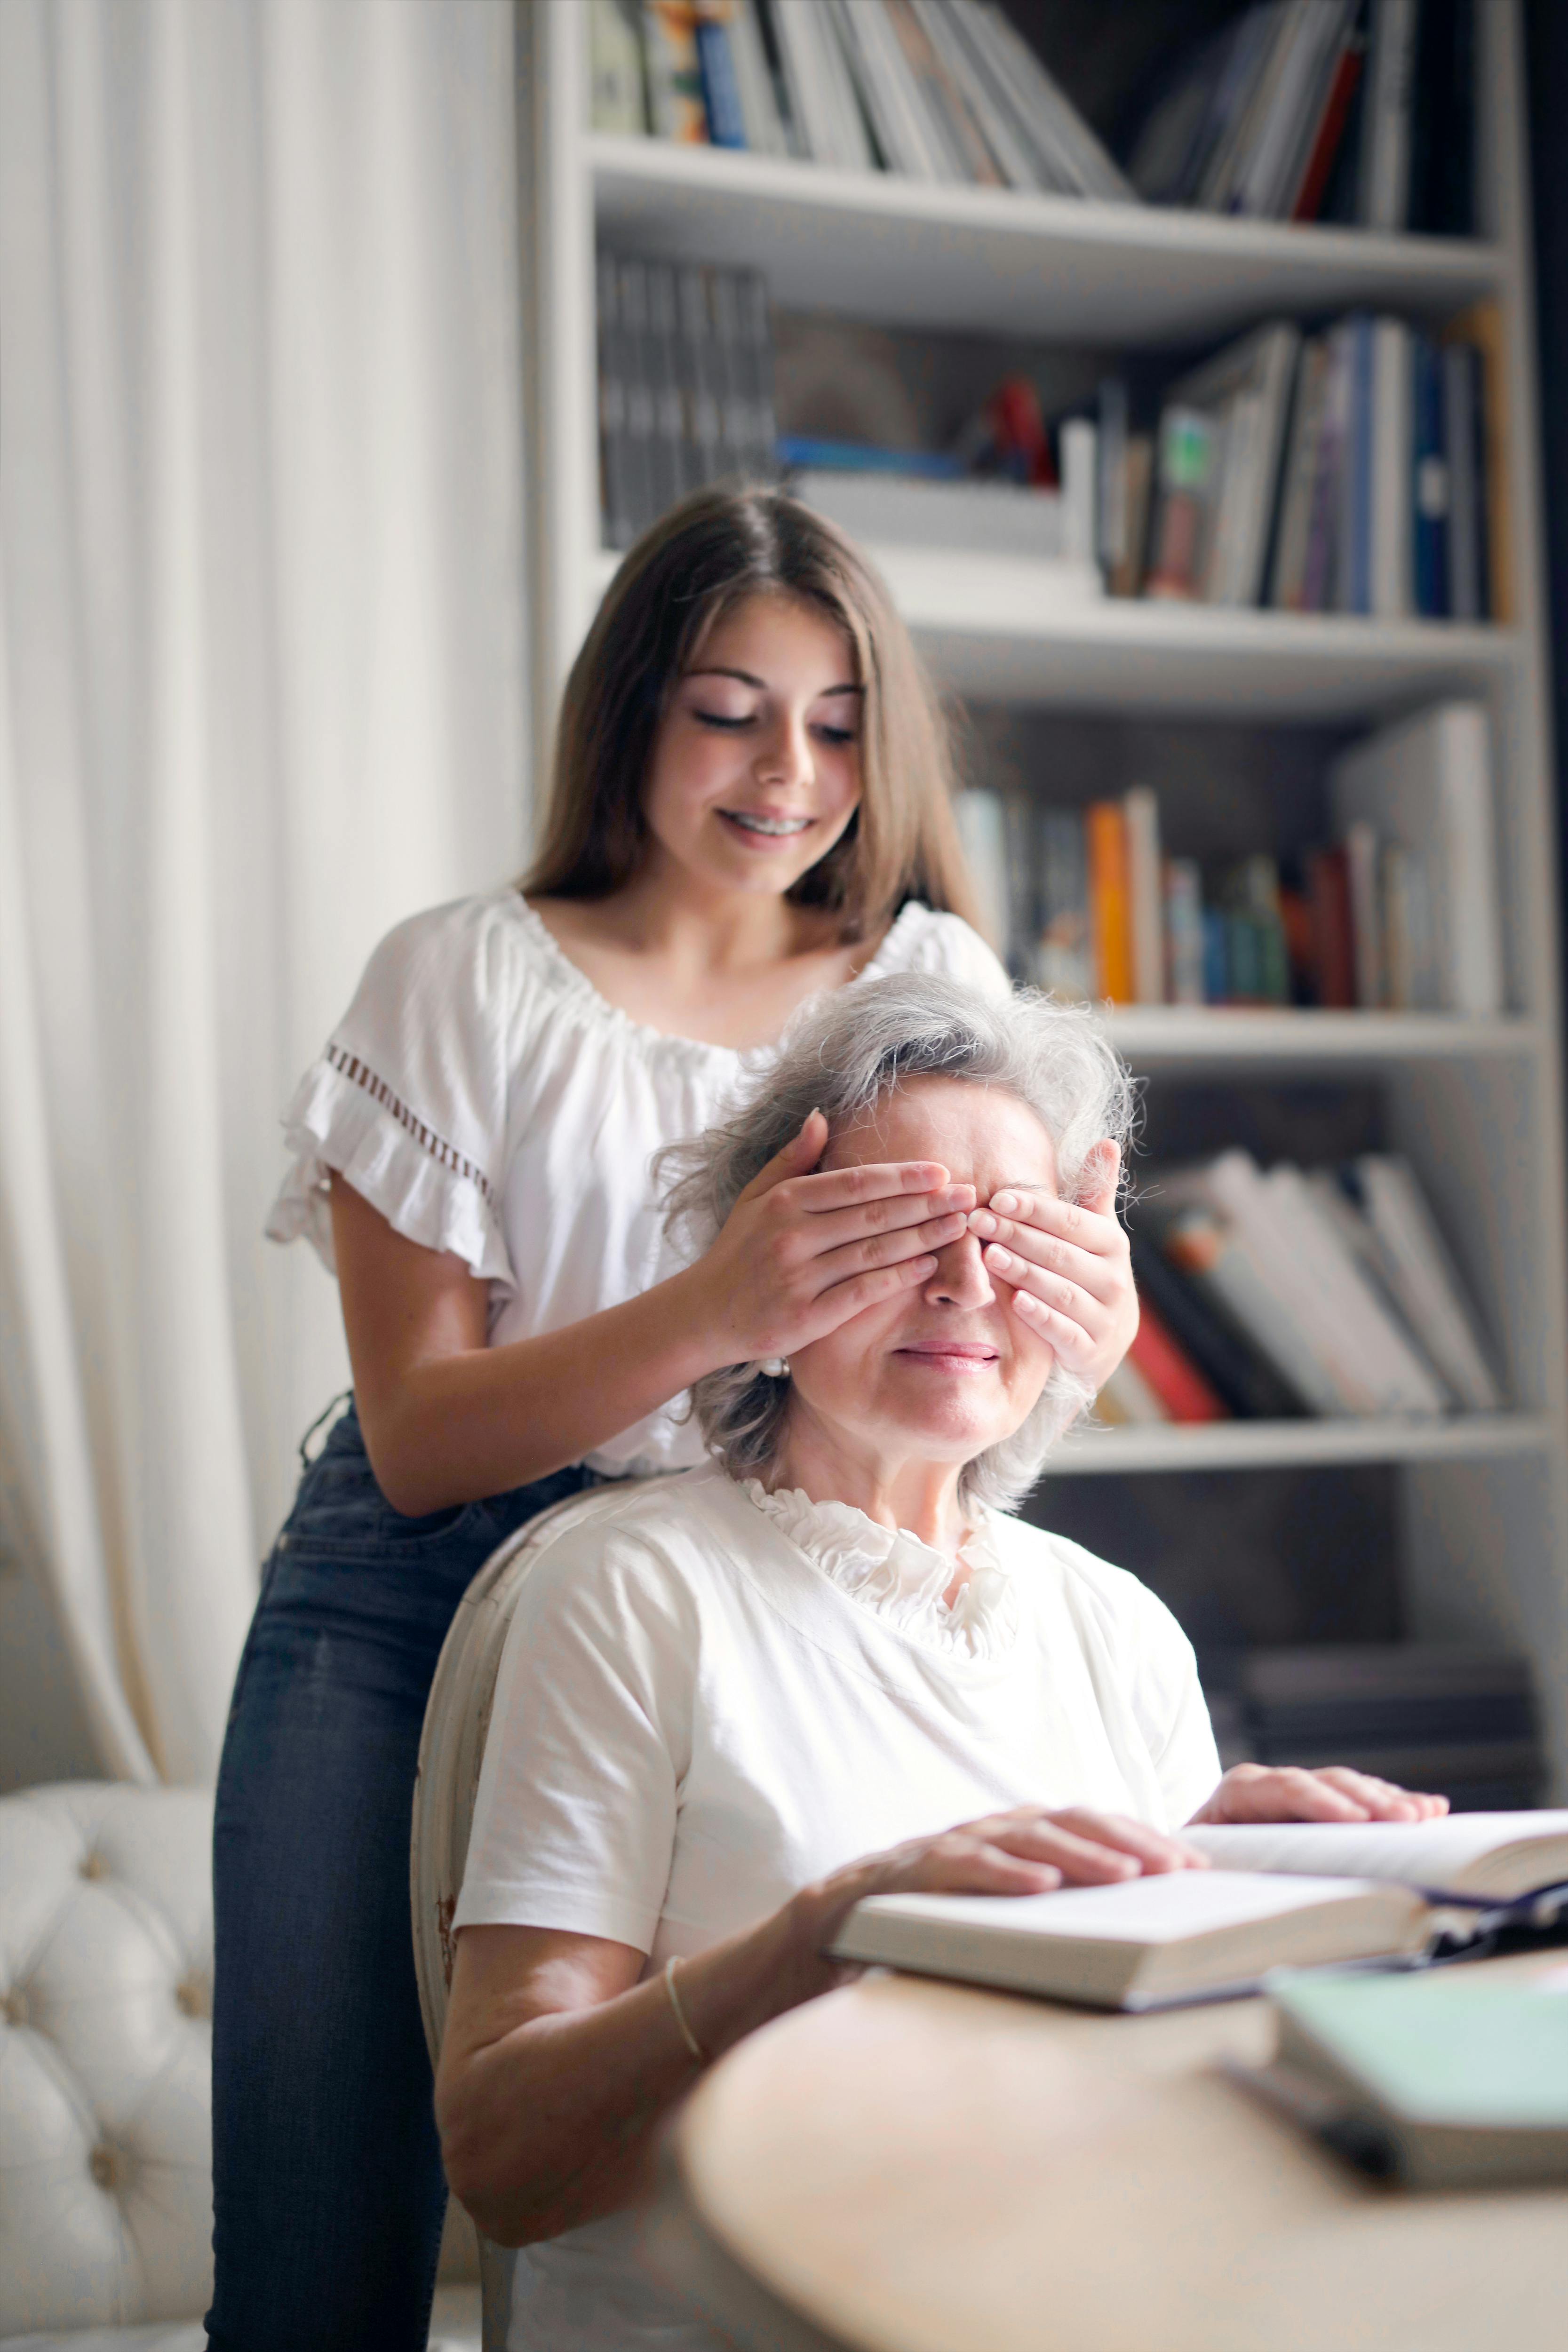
{"x":497,"y":2265}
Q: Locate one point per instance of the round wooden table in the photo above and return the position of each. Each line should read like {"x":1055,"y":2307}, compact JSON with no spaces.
{"x":912,"y":2167}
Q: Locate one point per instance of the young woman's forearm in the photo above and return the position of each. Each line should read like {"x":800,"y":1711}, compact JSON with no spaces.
{"x":547,"y":2125}
{"x":459,"y":1427}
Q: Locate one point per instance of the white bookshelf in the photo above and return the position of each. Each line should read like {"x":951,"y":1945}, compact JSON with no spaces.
{"x":1477,"y":1104}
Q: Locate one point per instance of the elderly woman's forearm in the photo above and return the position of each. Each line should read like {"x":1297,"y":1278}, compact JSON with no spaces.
{"x":545,"y":2123}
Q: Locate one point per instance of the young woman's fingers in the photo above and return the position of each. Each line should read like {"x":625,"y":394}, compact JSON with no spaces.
{"x":1074,"y":1348}
{"x":1079,"y":1306}
{"x":887,"y":1212}
{"x":873,"y":1250}
{"x":1101,"y":1177}
{"x":800,"y":1153}
{"x":842,"y":1188}
{"x":1100,"y":1273}
{"x":842,"y":1299}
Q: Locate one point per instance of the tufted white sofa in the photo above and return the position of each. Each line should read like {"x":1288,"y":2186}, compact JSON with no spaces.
{"x":105,"y":2067}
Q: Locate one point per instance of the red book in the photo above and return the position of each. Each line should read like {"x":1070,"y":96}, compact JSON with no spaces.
{"x":1331,"y":131}
{"x":1333,"y":935}
{"x":1170,"y":1372}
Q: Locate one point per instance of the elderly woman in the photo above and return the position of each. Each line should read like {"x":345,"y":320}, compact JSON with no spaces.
{"x":735,"y":1701}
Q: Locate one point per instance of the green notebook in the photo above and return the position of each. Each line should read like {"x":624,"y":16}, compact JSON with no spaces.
{"x":1444,"y":2078}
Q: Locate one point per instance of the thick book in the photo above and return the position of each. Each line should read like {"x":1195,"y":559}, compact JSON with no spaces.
{"x":1482,"y":327}
{"x":1422,"y":1279}
{"x":1385,"y":180}
{"x":1064,"y":955}
{"x":1166,"y":1368}
{"x":1491,"y":1860}
{"x":1245,"y":1378}
{"x":1244,"y":390}
{"x":1440,"y":2082}
{"x":1426,"y":784}
{"x":1144,"y":893}
{"x":619,"y":100}
{"x":1142,"y":1943}
{"x":675,"y":97}
{"x":1110,"y":904}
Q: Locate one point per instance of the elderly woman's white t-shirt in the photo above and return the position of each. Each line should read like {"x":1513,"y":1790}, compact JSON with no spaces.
{"x":488,"y":1100}
{"x":709,"y":1698}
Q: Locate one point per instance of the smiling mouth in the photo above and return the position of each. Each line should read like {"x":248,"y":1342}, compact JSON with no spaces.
{"x":772,"y":828}
{"x":953,"y":1355}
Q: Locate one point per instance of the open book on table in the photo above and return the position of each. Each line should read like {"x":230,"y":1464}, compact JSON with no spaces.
{"x":1491,"y":1859}
{"x":1295,"y":1894}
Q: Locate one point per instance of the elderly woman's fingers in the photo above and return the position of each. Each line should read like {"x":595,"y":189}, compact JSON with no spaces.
{"x":1287,"y":1792}
{"x":1154,"y":1850}
{"x":1383,"y":1800}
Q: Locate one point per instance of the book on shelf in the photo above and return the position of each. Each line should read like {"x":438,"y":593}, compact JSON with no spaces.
{"x":946,"y":91}
{"x":1438,"y":2080}
{"x":685,"y":386}
{"x":1424,"y":786}
{"x":1399,"y":913}
{"x":1339,"y":1286}
{"x":886,"y":504}
{"x":1244,"y":1380}
{"x":1356,"y":110}
{"x":618,"y":94}
{"x":1143,"y":1943}
{"x":1179,"y":1387}
{"x":1360,"y":470}
{"x":1458,"y":1722}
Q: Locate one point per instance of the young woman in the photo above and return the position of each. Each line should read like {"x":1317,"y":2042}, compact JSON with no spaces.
{"x":751,"y":805}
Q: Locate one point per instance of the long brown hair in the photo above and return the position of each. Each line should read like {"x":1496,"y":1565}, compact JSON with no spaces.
{"x":695,"y":565}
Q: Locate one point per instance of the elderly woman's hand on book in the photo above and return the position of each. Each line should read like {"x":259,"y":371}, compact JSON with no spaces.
{"x":1289,"y":1792}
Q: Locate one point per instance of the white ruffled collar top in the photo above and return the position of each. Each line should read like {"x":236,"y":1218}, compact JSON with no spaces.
{"x":898,"y":1576}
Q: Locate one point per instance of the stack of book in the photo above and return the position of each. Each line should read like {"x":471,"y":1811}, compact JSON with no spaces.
{"x":686,"y":386}
{"x":1460,"y":1723}
{"x":1397,"y":913}
{"x":1271,"y":1294}
{"x":1350,"y":110}
{"x":941,"y":90}
{"x":1359,"y":470}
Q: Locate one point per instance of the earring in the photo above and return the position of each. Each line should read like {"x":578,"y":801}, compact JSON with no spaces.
{"x":775,"y":1367}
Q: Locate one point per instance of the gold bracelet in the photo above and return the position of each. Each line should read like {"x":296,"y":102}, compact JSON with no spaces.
{"x":686,"y":2035}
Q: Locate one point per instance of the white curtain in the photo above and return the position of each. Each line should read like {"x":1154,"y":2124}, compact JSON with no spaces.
{"x":261,"y":693}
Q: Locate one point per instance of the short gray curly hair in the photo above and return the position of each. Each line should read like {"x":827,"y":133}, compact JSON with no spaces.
{"x":840,"y":1055}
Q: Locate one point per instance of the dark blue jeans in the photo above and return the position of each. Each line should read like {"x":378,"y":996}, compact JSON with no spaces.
{"x":328,"y":2192}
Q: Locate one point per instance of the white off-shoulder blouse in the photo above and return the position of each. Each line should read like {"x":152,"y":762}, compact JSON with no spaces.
{"x":488,"y":1100}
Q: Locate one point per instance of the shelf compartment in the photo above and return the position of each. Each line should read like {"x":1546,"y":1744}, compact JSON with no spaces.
{"x":1224,"y":1037}
{"x":1291,"y":1444}
{"x":990,"y":261}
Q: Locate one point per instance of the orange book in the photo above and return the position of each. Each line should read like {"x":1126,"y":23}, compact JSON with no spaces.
{"x":1170,"y":1372}
{"x":1481,"y":324}
{"x":1109,"y":900}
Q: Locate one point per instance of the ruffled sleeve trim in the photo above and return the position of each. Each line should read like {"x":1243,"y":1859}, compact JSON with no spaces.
{"x":345,"y":1117}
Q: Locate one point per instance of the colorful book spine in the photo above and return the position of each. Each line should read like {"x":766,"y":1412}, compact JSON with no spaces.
{"x":1170,"y":1373}
{"x":1431,"y":484}
{"x":1111,"y":912}
{"x":716,"y":65}
{"x":675,"y":97}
